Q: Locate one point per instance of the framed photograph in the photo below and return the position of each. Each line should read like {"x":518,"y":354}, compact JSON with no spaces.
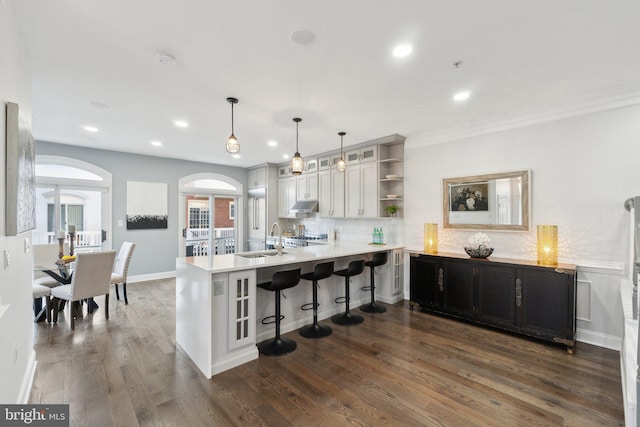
{"x":147,"y":205}
{"x":498,"y":201}
{"x":20,"y":174}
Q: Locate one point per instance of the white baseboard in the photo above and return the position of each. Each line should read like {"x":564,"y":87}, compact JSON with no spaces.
{"x":151,"y":276}
{"x":27,"y":381}
{"x":597,"y":338}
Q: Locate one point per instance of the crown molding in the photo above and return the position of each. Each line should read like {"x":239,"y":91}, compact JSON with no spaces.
{"x":618,"y":97}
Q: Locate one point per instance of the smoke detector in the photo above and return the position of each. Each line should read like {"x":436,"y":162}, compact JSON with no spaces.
{"x":166,"y":59}
{"x":303,"y":37}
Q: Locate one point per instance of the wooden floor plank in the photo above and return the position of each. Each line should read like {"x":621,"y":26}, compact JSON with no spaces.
{"x":403,"y":367}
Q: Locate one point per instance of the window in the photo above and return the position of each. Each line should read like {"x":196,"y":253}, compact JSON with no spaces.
{"x":232,"y":210}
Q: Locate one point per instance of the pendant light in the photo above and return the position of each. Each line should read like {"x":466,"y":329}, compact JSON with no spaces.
{"x":341,"y":166}
{"x":232,"y":144}
{"x":297,"y":163}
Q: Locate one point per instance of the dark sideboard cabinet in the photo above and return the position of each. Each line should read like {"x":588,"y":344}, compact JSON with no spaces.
{"x":514,"y":295}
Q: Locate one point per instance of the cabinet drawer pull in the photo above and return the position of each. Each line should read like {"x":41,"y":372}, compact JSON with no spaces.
{"x":440,"y":279}
{"x":518,"y":292}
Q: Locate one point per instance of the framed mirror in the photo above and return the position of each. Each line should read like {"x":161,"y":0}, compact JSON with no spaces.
{"x":497,"y":201}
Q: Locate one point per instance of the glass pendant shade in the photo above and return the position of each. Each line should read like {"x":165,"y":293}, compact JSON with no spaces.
{"x":297,"y":163}
{"x":341,"y":165}
{"x":548,"y":245}
{"x":233,"y":146}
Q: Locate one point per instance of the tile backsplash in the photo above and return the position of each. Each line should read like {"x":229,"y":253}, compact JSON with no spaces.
{"x":352,"y":230}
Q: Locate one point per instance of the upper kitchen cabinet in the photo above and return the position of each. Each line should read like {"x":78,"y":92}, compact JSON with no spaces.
{"x":391,"y":177}
{"x":286,"y":196}
{"x":361,"y":155}
{"x":328,"y":161}
{"x":257,"y":177}
{"x":361,"y":191}
{"x":307,"y":186}
{"x":331,"y":193}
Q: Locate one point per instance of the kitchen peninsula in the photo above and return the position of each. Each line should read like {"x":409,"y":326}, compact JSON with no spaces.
{"x":219,"y":308}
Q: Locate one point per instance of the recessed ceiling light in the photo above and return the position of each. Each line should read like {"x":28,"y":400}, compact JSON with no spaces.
{"x":166,"y":59}
{"x":402,"y":50}
{"x":285,"y":156}
{"x":181,"y":123}
{"x":156,"y":143}
{"x":462,"y":96}
{"x":272,"y":144}
{"x":235,"y":156}
{"x":90,"y":128}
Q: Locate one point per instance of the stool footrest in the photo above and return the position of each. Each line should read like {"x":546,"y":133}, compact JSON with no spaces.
{"x":270,"y":319}
{"x":307,"y":306}
{"x":365,"y":288}
{"x":340,"y":300}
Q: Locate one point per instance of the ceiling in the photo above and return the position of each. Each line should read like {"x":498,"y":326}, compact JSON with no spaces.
{"x":95,"y":63}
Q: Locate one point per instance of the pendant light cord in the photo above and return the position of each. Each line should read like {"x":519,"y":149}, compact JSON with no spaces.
{"x":297,"y":137}
{"x":232,"y":118}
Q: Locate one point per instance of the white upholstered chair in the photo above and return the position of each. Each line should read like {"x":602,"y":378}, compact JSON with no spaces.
{"x":45,"y":255}
{"x":91,"y":277}
{"x":121,"y":269}
{"x":42,"y":291}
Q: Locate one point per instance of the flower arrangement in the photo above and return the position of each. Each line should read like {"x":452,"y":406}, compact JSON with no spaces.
{"x":478,"y":246}
{"x":477,"y":240}
{"x":392,"y":209}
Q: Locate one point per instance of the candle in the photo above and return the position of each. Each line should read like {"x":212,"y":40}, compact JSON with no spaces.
{"x":72,"y":229}
{"x":60,"y":234}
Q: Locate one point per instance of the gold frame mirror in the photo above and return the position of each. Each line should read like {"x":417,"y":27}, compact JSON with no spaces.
{"x":498,"y":201}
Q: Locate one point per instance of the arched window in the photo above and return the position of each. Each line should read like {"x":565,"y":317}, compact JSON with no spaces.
{"x":210,"y":214}
{"x":71,"y":192}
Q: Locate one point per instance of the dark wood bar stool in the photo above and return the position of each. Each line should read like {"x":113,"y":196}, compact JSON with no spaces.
{"x":378,"y":259}
{"x":346,"y":318}
{"x":278,"y":345}
{"x":314,"y":330}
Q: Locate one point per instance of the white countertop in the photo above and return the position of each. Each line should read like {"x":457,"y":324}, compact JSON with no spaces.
{"x":235,"y":262}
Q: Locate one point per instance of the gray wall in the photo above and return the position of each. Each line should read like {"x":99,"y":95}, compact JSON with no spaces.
{"x":156,"y":250}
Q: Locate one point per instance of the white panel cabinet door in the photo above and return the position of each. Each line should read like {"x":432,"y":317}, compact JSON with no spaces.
{"x":257,"y":178}
{"x":307,"y":186}
{"x":324,"y":194}
{"x":352,"y":192}
{"x":337,"y":192}
{"x":331,"y":194}
{"x":369,"y":189}
{"x":286,"y":196}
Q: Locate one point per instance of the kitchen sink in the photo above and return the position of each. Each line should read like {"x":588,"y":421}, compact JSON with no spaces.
{"x":260,"y":254}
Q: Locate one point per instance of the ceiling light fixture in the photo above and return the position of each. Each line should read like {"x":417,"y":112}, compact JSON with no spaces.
{"x":341,"y":166}
{"x":156,"y":143}
{"x":232,"y":144}
{"x":235,"y":156}
{"x":90,"y":129}
{"x":297,"y":163}
{"x":181,"y":123}
{"x":462,"y":96}
{"x":402,"y":50}
{"x":273,"y":144}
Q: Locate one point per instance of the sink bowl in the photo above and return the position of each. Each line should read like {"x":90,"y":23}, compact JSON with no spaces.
{"x":259,"y":254}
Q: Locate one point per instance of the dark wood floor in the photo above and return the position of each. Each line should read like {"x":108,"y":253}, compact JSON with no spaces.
{"x":398,"y":368}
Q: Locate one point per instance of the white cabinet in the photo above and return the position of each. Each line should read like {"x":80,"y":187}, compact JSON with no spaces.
{"x":284,"y":171}
{"x":328,"y":162}
{"x":391,"y":174}
{"x":331,"y":193}
{"x":307,"y":186}
{"x":242,"y":308}
{"x":311,"y":166}
{"x":361,"y":190}
{"x":286,"y":196}
{"x":257,"y":178}
{"x":361,"y":155}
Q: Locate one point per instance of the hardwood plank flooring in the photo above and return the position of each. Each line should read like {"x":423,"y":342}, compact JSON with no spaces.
{"x":401,"y":367}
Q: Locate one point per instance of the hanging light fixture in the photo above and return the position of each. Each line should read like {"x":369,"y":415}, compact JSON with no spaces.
{"x":297,"y":163}
{"x":232,"y":144}
{"x":341,"y":166}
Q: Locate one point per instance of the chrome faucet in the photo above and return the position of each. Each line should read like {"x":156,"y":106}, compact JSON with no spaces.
{"x":279,"y":245}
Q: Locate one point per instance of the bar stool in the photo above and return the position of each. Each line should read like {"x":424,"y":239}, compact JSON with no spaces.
{"x":378,"y":259}
{"x":278,"y":346}
{"x":314,"y":330}
{"x":346,"y":318}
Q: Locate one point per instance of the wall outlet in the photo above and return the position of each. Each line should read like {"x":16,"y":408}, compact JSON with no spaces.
{"x":7,"y":260}
{"x":27,"y":246}
{"x":218,"y":287}
{"x":120,"y":223}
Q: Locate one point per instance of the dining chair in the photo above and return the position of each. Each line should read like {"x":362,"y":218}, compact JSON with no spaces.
{"x":91,"y":277}
{"x":39,"y":292}
{"x":46,"y":255}
{"x":121,"y":269}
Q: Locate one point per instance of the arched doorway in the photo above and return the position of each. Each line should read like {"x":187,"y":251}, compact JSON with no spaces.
{"x":72,"y":193}
{"x":210,"y":215}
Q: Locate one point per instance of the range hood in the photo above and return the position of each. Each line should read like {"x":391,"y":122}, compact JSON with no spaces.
{"x":305,"y":207}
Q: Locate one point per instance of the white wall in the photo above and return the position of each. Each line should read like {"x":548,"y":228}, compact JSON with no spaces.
{"x":17,"y":361}
{"x":583,"y":169}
